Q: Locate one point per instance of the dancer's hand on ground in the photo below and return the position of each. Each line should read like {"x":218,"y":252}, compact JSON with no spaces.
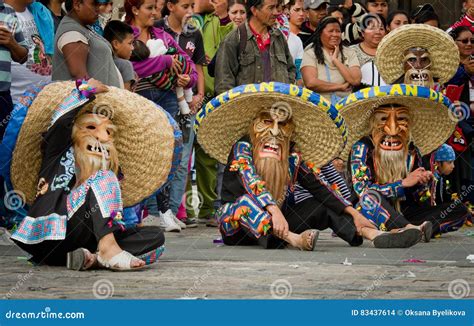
{"x":98,"y":85}
{"x":279,"y":223}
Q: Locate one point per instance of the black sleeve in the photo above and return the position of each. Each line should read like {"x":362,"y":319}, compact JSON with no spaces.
{"x":199,"y":56}
{"x":58,"y":137}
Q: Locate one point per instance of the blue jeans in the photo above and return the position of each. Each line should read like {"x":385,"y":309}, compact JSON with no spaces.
{"x":169,"y":102}
{"x":178,"y":184}
{"x":166,"y":99}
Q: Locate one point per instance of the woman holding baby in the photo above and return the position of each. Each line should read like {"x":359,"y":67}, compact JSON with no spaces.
{"x":166,"y":77}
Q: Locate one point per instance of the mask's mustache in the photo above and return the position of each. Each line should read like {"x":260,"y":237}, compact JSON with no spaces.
{"x":419,"y":77}
{"x":98,"y":147}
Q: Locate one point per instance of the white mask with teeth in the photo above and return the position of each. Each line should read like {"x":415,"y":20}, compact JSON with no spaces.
{"x":417,"y":66}
{"x":94,"y":149}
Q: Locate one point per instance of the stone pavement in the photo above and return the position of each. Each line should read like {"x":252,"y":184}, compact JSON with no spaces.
{"x":193,"y":267}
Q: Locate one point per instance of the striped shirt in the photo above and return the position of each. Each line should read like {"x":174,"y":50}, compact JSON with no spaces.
{"x":329,"y":173}
{"x":8,"y":20}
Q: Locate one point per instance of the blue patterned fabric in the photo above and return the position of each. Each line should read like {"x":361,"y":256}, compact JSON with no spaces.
{"x":106,"y":189}
{"x":445,"y":154}
{"x":362,"y":178}
{"x":62,"y":181}
{"x":152,"y":256}
{"x":73,"y":101}
{"x":245,"y":212}
{"x":37,"y":229}
{"x":369,"y":206}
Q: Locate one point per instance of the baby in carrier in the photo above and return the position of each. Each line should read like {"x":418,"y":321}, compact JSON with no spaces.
{"x":165,"y":79}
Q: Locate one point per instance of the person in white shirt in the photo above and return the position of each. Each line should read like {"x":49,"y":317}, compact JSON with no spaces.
{"x":37,"y":68}
{"x":296,"y":17}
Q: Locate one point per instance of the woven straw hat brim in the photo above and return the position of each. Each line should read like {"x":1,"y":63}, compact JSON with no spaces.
{"x":433,"y":121}
{"x":144,"y":140}
{"x":442,"y":48}
{"x":320,"y":131}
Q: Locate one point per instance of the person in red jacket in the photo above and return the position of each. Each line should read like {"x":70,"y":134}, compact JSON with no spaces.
{"x":468,"y":18}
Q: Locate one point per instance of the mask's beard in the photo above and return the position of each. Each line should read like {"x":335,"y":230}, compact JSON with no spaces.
{"x":274,"y":172}
{"x":275,"y":175}
{"x":390,"y":166}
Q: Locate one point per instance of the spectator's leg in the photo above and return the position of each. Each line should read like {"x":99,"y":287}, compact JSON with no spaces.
{"x":206,"y":170}
{"x":168,"y":101}
{"x":178,"y":184}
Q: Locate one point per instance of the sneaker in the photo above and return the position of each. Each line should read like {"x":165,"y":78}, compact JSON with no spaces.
{"x":168,"y":223}
{"x":191,"y":223}
{"x":212,"y":223}
{"x":151,"y":220}
{"x":177,"y":220}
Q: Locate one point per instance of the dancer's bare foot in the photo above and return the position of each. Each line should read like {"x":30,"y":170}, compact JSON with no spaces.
{"x":304,"y":241}
{"x":90,"y":259}
{"x":369,"y":233}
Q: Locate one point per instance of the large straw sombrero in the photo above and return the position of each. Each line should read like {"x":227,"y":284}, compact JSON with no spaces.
{"x":432,"y":116}
{"x":320,"y":131}
{"x":147,"y":140}
{"x":442,"y":48}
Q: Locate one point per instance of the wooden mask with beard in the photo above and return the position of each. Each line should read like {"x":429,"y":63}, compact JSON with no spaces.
{"x":270,"y":134}
{"x":390,"y":128}
{"x":416,"y":64}
{"x":94,"y":150}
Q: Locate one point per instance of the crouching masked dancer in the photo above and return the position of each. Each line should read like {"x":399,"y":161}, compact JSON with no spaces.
{"x":278,"y":136}
{"x":92,"y":137}
{"x":391,"y":127}
{"x":417,"y":54}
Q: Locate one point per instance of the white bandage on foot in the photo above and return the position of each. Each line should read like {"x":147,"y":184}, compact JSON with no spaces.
{"x":183,"y":107}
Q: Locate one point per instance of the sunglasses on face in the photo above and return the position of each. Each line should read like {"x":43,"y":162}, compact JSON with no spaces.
{"x":466,"y":41}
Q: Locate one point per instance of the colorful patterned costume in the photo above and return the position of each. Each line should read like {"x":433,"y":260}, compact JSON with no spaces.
{"x":167,"y":79}
{"x":243,"y":218}
{"x":63,"y":218}
{"x":377,"y":200}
